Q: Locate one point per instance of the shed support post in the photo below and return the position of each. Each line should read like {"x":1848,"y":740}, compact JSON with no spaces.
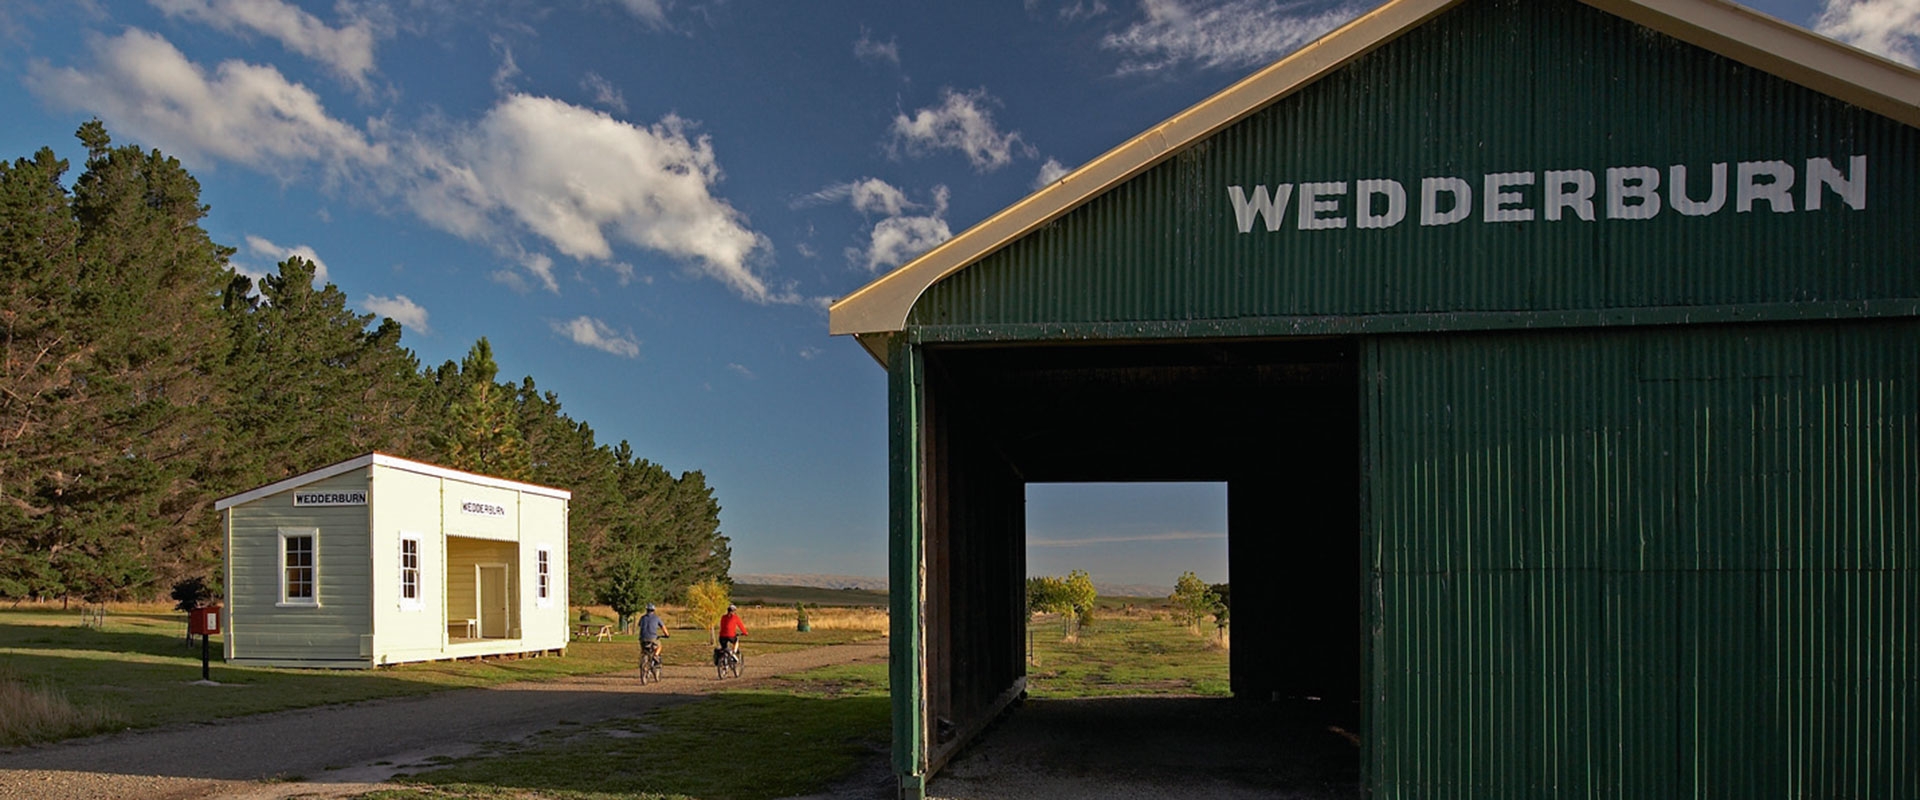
{"x":906,"y":387}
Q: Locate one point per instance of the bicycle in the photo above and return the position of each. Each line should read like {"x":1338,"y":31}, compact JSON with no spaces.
{"x":727,"y":661}
{"x":649,"y":664}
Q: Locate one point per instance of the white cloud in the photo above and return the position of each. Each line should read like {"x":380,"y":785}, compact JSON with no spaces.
{"x":261,"y":246}
{"x":652,"y":12}
{"x":1170,"y":536}
{"x":147,"y":91}
{"x":399,"y":307}
{"x":868,"y":50}
{"x":541,"y":266}
{"x":509,"y":69}
{"x":348,"y":49}
{"x":961,"y":122}
{"x":1072,"y":12}
{"x":1890,"y":28}
{"x":1049,"y":172}
{"x":899,"y":238}
{"x":575,"y":177}
{"x":741,"y":370}
{"x":901,"y":234}
{"x":604,"y":92}
{"x":590,"y":332}
{"x":1235,"y":34}
{"x":868,"y":195}
{"x":809,"y":353}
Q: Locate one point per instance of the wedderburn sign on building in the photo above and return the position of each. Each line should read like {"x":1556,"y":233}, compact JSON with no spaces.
{"x":346,"y":498}
{"x":1555,"y":195}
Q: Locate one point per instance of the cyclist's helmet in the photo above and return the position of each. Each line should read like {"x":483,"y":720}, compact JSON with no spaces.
{"x":732,"y":607}
{"x":649,"y":606}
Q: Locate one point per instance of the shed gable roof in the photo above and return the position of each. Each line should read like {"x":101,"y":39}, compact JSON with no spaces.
{"x":1784,"y":50}
{"x":384,"y":460}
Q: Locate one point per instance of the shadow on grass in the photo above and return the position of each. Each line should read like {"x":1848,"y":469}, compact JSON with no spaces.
{"x":156,"y":638}
{"x":736,"y":746}
{"x":146,"y":690}
{"x":140,"y":667}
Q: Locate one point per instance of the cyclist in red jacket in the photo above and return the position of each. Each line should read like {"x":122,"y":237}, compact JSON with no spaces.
{"x":731,"y":629}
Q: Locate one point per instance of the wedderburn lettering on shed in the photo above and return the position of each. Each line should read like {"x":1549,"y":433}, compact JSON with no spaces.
{"x":1555,"y":195}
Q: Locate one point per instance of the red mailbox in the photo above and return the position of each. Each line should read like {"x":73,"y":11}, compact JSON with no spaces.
{"x":204,"y":621}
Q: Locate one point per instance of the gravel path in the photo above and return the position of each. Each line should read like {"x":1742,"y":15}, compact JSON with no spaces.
{"x":342,"y":750}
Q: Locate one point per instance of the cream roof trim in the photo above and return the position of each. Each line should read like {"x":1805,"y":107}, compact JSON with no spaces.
{"x":1749,"y":37}
{"x":384,"y":460}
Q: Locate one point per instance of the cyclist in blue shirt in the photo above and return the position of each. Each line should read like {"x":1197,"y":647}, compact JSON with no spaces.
{"x":652,"y":630}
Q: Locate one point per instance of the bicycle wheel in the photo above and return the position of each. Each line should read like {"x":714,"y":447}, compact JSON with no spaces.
{"x":653,"y":668}
{"x":733,"y":664}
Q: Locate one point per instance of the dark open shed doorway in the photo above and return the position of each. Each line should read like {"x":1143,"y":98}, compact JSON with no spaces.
{"x":1279,"y":422}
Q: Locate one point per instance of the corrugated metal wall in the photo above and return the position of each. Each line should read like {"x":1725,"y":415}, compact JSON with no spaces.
{"x":1647,"y":563}
{"x":1488,"y":87}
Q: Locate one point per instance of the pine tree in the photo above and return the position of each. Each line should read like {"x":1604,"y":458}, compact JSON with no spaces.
{"x":482,"y":433}
{"x":117,"y":490}
{"x":309,"y":384}
{"x":40,"y":343}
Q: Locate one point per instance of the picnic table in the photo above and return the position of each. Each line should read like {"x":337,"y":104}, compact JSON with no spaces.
{"x":600,"y":633}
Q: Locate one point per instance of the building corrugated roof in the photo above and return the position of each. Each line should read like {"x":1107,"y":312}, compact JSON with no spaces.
{"x":1749,"y":37}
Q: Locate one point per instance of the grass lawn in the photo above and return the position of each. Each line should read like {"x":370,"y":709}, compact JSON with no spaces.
{"x":797,"y":734}
{"x":139,"y":671}
{"x":1124,"y":653}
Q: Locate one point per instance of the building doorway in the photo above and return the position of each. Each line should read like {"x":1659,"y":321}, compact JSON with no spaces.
{"x":490,"y":586}
{"x":1277,"y":423}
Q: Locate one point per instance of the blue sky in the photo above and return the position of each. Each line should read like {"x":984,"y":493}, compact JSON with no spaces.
{"x":646,"y":204}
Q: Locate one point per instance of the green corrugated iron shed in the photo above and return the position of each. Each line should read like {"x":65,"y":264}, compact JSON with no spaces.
{"x":1575,"y":345}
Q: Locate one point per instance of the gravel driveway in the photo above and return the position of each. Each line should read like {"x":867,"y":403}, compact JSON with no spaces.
{"x":342,"y":750}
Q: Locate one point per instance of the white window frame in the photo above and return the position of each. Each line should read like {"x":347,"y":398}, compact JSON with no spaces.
{"x":418,"y":601}
{"x":543,"y":577}
{"x":312,"y":600}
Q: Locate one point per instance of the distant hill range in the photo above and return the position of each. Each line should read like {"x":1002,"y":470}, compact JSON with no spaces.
{"x":816,"y":581}
{"x":1131,"y":590}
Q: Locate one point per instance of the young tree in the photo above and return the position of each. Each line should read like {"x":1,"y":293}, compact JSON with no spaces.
{"x":628,"y":587}
{"x":1080,"y":591}
{"x":1071,"y":597}
{"x":192,"y":593}
{"x":706,"y":603}
{"x":1193,"y":599}
{"x":1047,"y":594}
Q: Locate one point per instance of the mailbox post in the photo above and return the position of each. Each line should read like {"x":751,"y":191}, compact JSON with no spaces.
{"x":204,"y":621}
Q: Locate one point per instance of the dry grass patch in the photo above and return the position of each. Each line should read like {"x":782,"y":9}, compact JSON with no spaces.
{"x":30,"y":713}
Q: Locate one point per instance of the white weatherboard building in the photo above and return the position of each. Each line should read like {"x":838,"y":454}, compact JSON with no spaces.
{"x":380,"y":560}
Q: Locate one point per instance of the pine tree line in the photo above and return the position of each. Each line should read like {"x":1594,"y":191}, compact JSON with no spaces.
{"x":141,"y":379}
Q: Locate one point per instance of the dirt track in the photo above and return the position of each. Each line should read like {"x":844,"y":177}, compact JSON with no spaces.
{"x":342,"y":750}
